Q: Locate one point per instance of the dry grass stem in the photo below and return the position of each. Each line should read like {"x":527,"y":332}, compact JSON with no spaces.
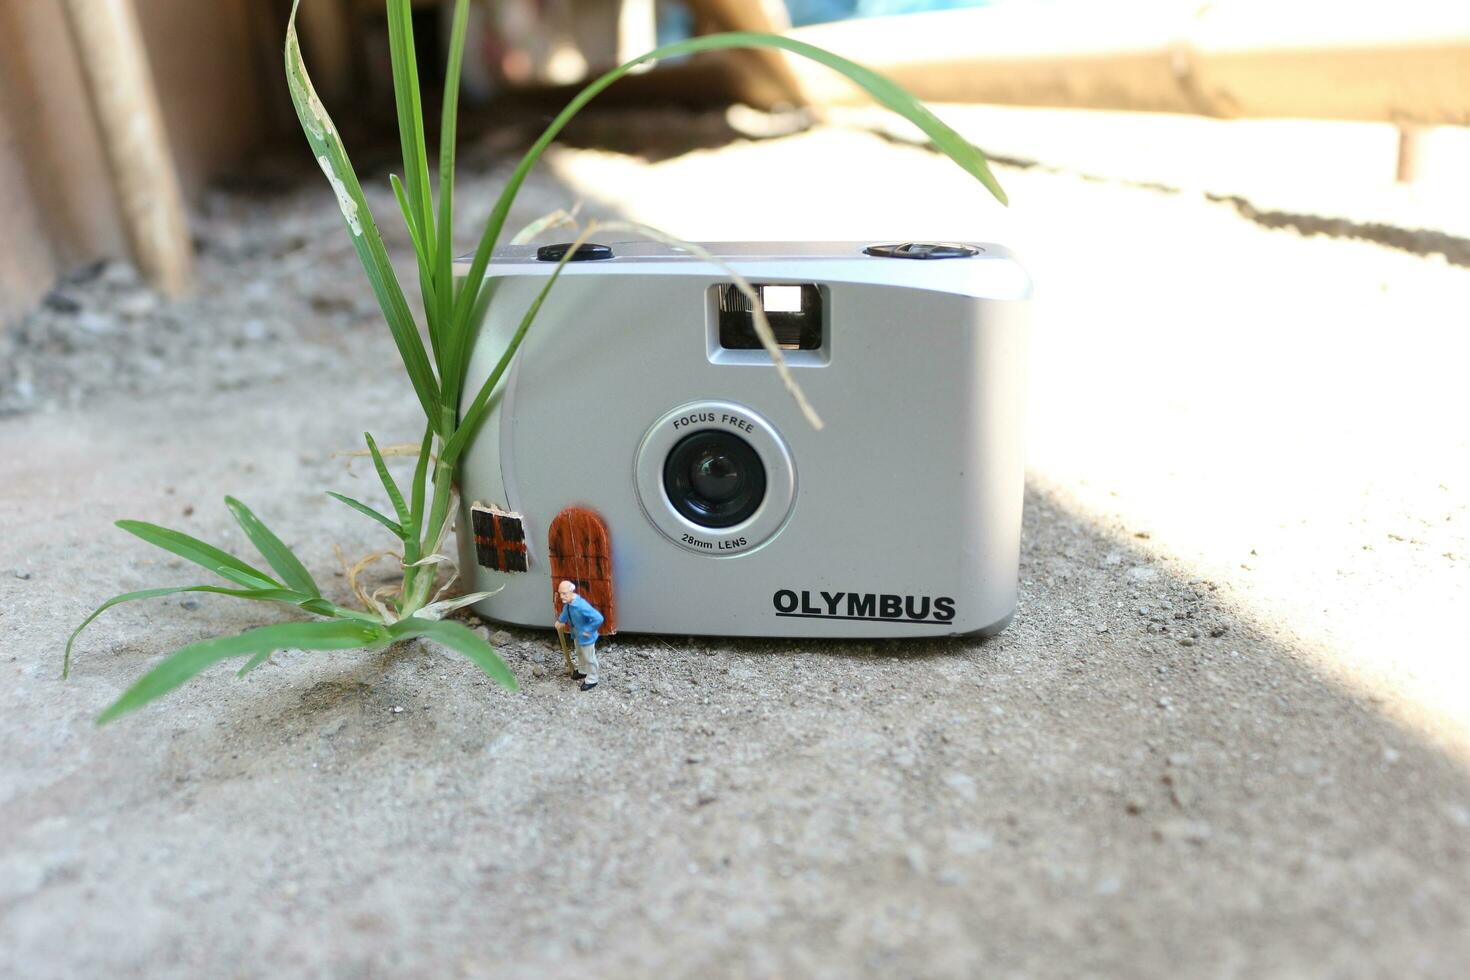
{"x":560,"y":218}
{"x":762,"y":325}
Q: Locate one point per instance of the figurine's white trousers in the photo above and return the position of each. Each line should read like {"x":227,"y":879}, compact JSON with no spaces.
{"x":587,"y":661}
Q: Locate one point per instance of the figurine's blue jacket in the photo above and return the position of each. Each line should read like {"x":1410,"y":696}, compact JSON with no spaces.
{"x":584,"y":620}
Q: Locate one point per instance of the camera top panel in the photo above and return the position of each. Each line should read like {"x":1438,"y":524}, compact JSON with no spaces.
{"x":649,"y":251}
{"x":979,"y":269}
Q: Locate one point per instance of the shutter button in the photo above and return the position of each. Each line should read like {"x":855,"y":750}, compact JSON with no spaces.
{"x":923,"y":250}
{"x":586,"y":252}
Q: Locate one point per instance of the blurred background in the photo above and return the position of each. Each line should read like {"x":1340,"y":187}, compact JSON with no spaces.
{"x":115,"y":115}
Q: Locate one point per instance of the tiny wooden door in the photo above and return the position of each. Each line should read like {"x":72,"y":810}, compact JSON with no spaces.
{"x":577,"y":543}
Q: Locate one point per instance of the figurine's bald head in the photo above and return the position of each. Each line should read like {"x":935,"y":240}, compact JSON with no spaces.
{"x":567,"y":591}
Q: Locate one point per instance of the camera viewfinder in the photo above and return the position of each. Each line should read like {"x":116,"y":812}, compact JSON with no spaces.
{"x":794,"y":311}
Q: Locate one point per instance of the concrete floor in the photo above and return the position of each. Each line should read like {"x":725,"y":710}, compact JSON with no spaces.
{"x":1226,"y":735}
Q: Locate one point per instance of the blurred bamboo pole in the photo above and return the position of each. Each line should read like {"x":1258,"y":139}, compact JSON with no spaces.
{"x":766,"y":16}
{"x":120,"y":86}
{"x":1411,"y":153}
{"x":637,"y":28}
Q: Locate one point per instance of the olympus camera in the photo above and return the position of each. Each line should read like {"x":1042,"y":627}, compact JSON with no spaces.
{"x":641,"y":444}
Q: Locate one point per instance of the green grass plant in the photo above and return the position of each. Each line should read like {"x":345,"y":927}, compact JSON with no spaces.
{"x":453,"y":309}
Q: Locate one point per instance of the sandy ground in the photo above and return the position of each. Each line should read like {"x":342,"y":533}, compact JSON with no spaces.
{"x":1227,"y":734}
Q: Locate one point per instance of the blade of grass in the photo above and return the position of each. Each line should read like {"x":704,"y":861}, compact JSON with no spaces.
{"x":426,"y":282}
{"x":331,"y":155}
{"x":312,"y":604}
{"x":389,"y":484}
{"x":411,"y":120}
{"x":363,"y":508}
{"x":472,"y":417}
{"x":885,"y":92}
{"x":254,"y":662}
{"x":189,"y":661}
{"x":464,"y":334}
{"x":461,"y":639}
{"x":273,"y":550}
{"x":409,"y":221}
{"x":357,"y":615}
{"x":448,"y":130}
{"x":416,"y":495}
{"x":204,"y":555}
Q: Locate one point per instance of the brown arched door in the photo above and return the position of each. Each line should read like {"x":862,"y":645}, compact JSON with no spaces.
{"x":578,"y":545}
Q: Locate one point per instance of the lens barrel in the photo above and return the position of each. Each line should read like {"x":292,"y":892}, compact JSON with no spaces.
{"x":714,"y":478}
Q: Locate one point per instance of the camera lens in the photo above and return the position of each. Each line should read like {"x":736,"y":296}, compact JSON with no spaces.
{"x":714,"y":478}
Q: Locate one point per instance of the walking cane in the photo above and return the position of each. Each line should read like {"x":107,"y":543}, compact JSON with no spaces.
{"x":565,"y":652}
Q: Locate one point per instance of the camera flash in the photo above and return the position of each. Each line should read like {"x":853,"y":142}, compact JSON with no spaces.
{"x":781,"y":299}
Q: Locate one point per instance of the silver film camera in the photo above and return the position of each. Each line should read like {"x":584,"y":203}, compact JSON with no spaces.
{"x":642,"y":445}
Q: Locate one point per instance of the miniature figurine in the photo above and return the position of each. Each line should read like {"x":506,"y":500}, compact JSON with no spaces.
{"x":580,"y":619}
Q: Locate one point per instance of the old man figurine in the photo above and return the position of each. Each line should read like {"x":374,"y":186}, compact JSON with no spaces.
{"x":580,"y":619}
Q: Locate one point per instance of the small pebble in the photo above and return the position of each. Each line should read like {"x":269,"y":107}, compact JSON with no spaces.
{"x":1179,"y":829}
{"x":21,"y":574}
{"x":398,"y":709}
{"x":97,"y":323}
{"x":190,"y":603}
{"x":1186,"y":641}
{"x":963,"y":785}
{"x":59,"y":302}
{"x":135,"y":304}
